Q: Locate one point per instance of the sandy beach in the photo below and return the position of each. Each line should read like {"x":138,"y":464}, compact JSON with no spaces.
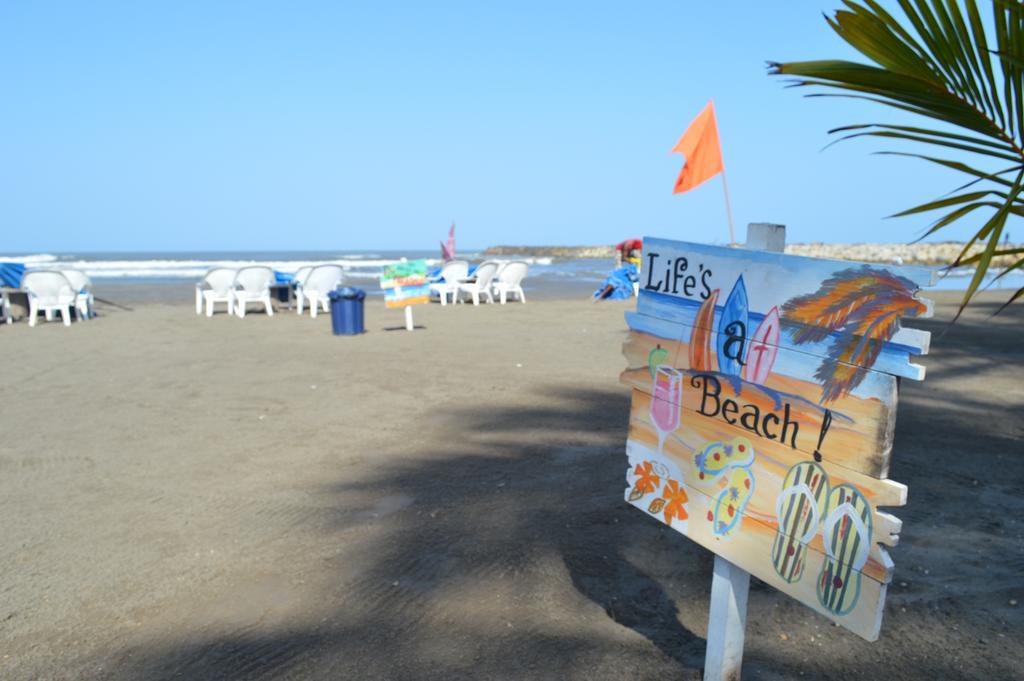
{"x":222,"y":498}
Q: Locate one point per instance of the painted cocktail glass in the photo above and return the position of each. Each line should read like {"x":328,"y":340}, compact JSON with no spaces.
{"x":666,"y":402}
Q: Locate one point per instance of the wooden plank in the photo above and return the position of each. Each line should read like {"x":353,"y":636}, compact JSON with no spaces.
{"x":750,"y":546}
{"x":787,"y":555}
{"x":787,"y":361}
{"x":833,"y":436}
{"x":855,"y":431}
{"x":706,"y":266}
{"x":894,"y":358}
{"x":848,"y":300}
{"x":768,"y":467}
{"x":403,"y":296}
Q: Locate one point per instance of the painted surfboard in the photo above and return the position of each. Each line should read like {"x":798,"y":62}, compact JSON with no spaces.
{"x":700,"y":338}
{"x":732,"y":330}
{"x":764,"y":347}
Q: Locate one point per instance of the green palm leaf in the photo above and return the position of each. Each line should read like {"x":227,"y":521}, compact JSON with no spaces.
{"x":942,"y":62}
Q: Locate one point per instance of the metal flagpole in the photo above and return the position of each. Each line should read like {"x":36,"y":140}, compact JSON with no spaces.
{"x":728,"y":208}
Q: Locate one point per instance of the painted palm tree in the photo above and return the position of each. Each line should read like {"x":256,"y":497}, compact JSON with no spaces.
{"x":962,"y":72}
{"x":860,"y":309}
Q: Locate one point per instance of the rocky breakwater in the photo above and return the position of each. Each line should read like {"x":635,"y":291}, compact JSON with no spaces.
{"x":564,"y":252}
{"x":942,"y":253}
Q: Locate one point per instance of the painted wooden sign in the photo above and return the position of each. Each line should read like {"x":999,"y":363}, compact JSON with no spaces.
{"x":764,"y":405}
{"x":405,"y":283}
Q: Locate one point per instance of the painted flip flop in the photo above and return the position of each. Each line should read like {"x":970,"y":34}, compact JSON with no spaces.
{"x":728,"y":463}
{"x":798,"y":508}
{"x":730,"y":502}
{"x":847,"y":540}
{"x":715,"y":458}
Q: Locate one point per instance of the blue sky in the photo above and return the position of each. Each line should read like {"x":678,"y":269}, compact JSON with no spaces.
{"x":333,"y":125}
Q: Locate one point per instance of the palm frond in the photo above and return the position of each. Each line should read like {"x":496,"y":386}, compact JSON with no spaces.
{"x":955,"y":215}
{"x":939,"y":61}
{"x":962,"y":167}
{"x":948,"y":201}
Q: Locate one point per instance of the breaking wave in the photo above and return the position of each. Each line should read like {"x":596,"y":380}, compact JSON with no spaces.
{"x":357,"y":266}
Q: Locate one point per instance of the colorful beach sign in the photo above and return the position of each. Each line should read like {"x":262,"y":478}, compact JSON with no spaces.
{"x":405,"y":283}
{"x":763,"y":411}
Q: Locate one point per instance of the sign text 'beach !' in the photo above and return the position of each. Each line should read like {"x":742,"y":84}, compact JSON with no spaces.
{"x":405,"y":283}
{"x":764,"y":405}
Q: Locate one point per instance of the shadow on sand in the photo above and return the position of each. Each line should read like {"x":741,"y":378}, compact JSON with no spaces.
{"x":529,"y":500}
{"x":526,"y":497}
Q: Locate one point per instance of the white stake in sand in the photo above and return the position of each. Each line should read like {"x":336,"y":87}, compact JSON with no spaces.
{"x":727,"y":619}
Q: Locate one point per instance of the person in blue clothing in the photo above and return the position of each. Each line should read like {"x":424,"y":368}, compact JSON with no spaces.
{"x":620,"y":284}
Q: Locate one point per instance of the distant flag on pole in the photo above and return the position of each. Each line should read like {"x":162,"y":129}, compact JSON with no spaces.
{"x":448,"y":249}
{"x":699,"y":144}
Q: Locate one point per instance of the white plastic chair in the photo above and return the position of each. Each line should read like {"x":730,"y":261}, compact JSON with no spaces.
{"x":510,"y":280}
{"x":50,"y":292}
{"x":451,"y":272}
{"x":216,"y":286}
{"x":252,"y":285}
{"x":297,"y":281}
{"x":82,"y":284}
{"x":320,"y":282}
{"x":497,"y":273}
{"x":479,"y":283}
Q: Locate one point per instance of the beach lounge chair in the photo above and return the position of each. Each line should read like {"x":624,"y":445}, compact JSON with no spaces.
{"x":297,"y":280}
{"x":497,"y":273}
{"x":82,"y":284}
{"x":252,"y":285}
{"x":50,"y":292}
{"x":479,"y":283}
{"x":216,"y":286}
{"x":510,"y":279}
{"x":448,"y":279}
{"x":319,"y":284}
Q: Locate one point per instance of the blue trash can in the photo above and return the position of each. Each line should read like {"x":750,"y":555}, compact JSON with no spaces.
{"x":347,"y":311}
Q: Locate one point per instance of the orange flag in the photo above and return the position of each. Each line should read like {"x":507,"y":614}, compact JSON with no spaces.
{"x":699,"y":144}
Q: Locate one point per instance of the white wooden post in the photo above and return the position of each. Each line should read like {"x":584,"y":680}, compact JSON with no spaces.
{"x":764,"y":236}
{"x":727,"y":620}
{"x":408,"y":318}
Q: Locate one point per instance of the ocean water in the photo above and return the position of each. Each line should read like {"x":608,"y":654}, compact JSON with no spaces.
{"x":362,"y":268}
{"x":177,"y":271}
{"x":960,"y":280}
